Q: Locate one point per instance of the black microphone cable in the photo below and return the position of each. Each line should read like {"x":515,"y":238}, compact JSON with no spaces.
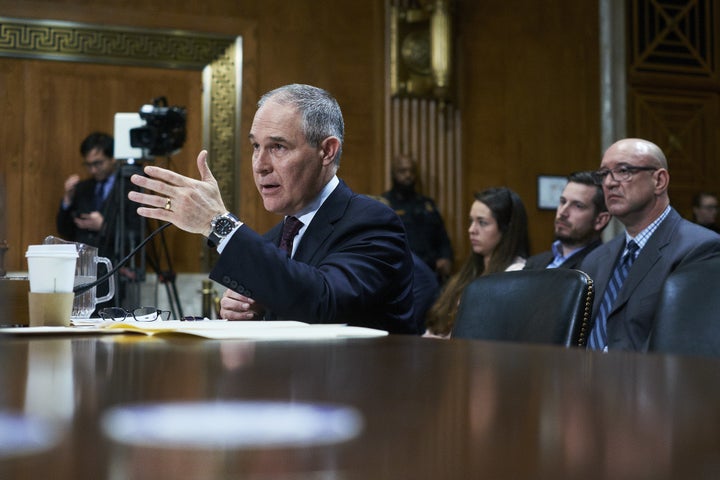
{"x":87,"y":286}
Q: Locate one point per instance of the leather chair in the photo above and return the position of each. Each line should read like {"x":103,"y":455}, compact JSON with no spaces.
{"x":535,"y":306}
{"x":687,"y":319}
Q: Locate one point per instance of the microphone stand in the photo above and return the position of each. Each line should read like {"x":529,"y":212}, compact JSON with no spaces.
{"x":166,"y":277}
{"x":87,"y":286}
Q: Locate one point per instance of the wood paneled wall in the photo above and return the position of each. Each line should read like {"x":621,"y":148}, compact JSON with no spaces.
{"x":529,"y":97}
{"x":527,"y":82}
{"x":58,"y":103}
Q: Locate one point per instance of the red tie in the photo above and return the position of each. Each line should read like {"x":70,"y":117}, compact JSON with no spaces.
{"x":290,"y":229}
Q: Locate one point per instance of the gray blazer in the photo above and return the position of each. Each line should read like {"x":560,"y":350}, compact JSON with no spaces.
{"x":676,"y":242}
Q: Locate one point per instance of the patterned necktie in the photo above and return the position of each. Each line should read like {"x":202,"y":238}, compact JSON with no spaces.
{"x":291,"y":227}
{"x":598,"y":336}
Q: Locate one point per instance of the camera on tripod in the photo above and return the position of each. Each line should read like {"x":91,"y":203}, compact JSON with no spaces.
{"x":156,"y":131}
{"x":164,"y":130}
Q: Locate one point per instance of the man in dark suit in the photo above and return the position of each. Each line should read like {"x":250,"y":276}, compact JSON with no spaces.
{"x":635,"y":179}
{"x":80,"y":217}
{"x":424,"y":225}
{"x":347,"y":261}
{"x":580,"y":218}
{"x":89,"y":212}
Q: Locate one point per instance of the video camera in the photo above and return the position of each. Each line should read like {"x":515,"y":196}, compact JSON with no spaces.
{"x":156,"y":131}
{"x":164,"y":131}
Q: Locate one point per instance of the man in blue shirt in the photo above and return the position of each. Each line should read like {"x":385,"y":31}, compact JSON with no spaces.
{"x":580,"y":218}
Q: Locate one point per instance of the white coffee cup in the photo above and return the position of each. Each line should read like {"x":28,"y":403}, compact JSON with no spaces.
{"x":51,"y":268}
{"x":51,"y":271}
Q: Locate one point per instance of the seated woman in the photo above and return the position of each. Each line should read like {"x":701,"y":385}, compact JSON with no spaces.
{"x":500,"y":242}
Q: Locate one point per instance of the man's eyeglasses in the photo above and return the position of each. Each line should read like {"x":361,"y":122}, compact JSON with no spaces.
{"x":142,"y":314}
{"x":622,"y":173}
{"x":94,"y":164}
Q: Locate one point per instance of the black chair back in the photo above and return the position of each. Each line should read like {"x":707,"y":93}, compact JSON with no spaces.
{"x":550,"y":306}
{"x":687,"y":319}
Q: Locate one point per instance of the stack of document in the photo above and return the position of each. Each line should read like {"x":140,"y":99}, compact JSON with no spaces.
{"x":211,"y":329}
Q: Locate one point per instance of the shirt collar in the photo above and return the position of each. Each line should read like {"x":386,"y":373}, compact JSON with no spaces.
{"x":558,"y":258}
{"x":308,"y":213}
{"x":642,"y":238}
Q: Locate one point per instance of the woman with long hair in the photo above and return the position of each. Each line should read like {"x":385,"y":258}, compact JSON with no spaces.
{"x":500,"y":242}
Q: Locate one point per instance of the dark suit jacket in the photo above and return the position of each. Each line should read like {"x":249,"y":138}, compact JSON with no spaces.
{"x":543,"y":259}
{"x":676,"y":242}
{"x":353,"y":265}
{"x":423,"y":223}
{"x":84,"y":202}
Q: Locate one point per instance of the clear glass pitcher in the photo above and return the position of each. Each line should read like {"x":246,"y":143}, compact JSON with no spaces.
{"x":86,"y":272}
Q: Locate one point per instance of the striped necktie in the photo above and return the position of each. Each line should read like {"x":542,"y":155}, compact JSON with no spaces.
{"x":598,"y":336}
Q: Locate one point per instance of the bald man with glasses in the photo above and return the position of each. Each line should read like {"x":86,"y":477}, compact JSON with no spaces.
{"x":629,"y":271}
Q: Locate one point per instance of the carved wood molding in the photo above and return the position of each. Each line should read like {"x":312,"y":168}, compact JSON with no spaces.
{"x":71,"y":41}
{"x":681,"y":123}
{"x":670,"y":37}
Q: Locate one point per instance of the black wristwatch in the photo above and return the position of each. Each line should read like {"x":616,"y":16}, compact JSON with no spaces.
{"x":221,"y":225}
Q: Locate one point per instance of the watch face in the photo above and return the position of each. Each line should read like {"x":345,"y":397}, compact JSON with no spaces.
{"x":223,"y":226}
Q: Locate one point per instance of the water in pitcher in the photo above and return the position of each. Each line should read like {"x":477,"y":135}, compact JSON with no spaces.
{"x":86,"y":272}
{"x":84,"y":304}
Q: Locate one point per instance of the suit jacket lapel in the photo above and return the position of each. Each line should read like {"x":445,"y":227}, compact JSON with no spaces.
{"x":606,"y":266}
{"x":649,"y":256}
{"x":322,"y":224}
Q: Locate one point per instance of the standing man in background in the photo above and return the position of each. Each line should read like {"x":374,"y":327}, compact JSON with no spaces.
{"x":80,"y":217}
{"x":580,"y":218}
{"x":424,"y":225}
{"x":90,"y":208}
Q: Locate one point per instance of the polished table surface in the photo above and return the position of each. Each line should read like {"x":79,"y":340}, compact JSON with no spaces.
{"x":428,"y":408}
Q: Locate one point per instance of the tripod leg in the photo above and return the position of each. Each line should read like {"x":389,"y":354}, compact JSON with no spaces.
{"x":167,"y":277}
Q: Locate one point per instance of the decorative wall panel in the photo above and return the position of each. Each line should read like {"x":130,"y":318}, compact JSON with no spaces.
{"x":673,"y":89}
{"x":55,"y":40}
{"x":680,"y":125}
{"x":673,"y":37}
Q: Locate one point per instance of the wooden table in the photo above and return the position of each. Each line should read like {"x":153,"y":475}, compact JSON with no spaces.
{"x":430,"y":409}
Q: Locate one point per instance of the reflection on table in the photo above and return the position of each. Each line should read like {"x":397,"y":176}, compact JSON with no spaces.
{"x":426,"y":408}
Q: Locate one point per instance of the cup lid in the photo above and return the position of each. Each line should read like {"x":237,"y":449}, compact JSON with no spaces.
{"x":54,"y":250}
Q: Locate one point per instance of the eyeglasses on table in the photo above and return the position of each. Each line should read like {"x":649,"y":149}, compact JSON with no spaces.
{"x":141,"y":314}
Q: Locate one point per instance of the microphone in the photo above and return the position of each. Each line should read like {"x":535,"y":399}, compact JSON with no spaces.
{"x":87,"y":286}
